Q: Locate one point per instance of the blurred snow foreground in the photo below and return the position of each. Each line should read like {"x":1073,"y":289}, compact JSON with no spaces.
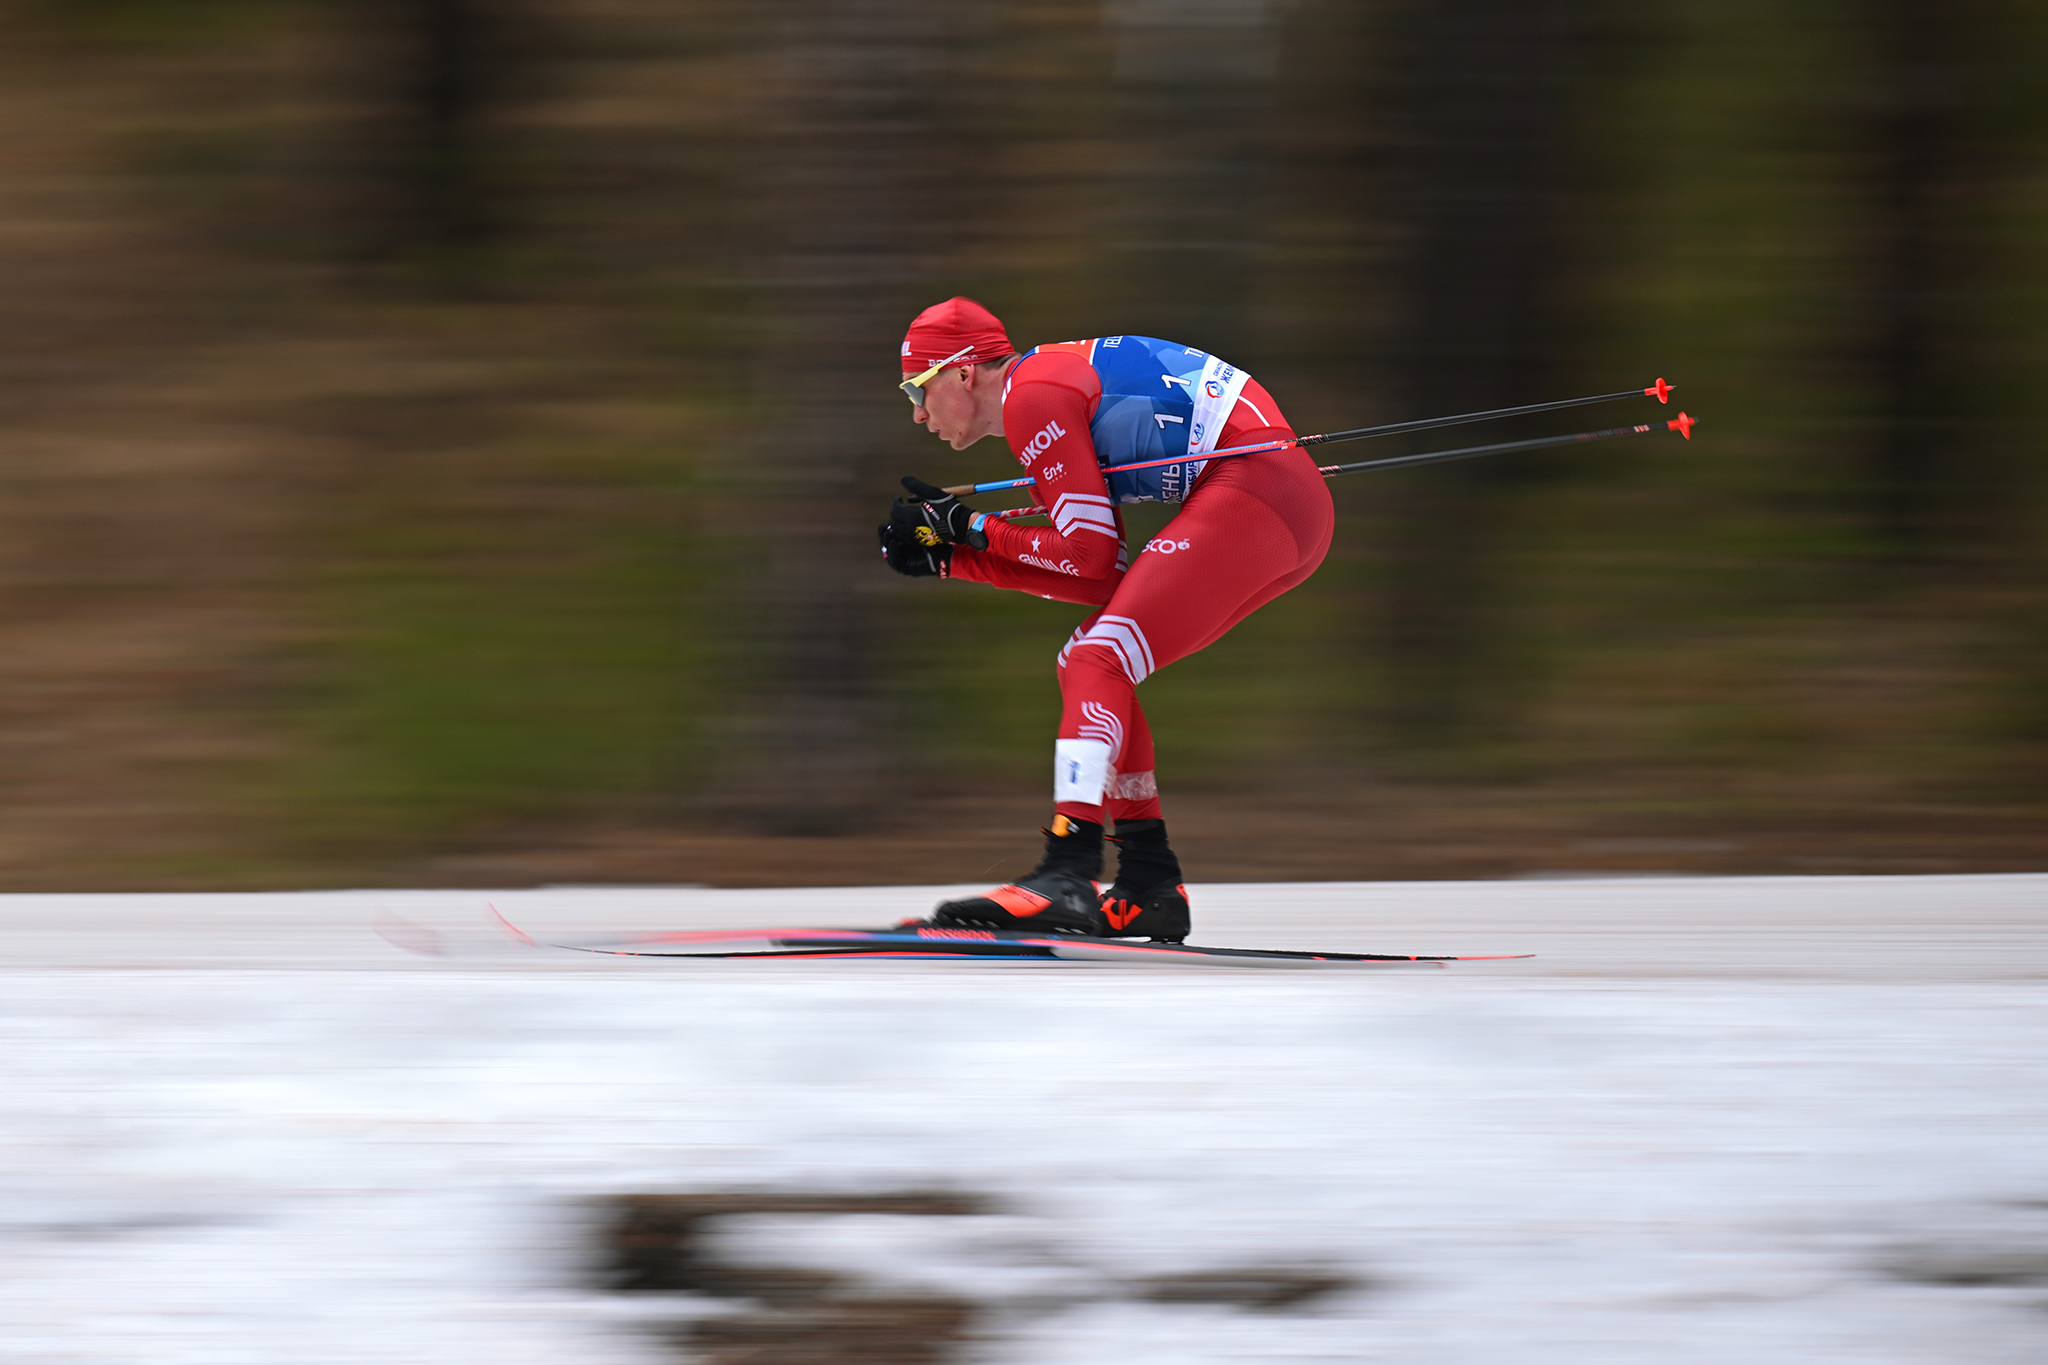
{"x":1757,"y":1120}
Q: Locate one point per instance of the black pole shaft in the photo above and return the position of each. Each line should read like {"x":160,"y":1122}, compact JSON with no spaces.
{"x":1426,"y":423}
{"x":1472,"y":452}
{"x":1682,"y":424}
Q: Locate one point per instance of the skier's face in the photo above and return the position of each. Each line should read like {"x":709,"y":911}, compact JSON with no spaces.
{"x":961,"y":406}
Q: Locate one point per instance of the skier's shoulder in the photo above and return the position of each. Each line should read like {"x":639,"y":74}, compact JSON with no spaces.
{"x":1059,"y":366}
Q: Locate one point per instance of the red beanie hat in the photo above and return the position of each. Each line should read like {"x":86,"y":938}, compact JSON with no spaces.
{"x":944,"y":330}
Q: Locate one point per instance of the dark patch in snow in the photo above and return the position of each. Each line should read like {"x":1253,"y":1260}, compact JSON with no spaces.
{"x":915,"y":1331}
{"x":666,"y":1243}
{"x":1264,"y":1287}
{"x":1965,"y":1266}
{"x":656,"y":1243}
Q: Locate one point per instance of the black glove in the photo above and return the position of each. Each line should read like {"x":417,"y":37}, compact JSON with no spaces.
{"x":934,"y":516}
{"x":913,"y":560}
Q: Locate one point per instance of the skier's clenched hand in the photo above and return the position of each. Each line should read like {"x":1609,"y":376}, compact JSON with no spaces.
{"x":932,"y":516}
{"x":911,"y":559}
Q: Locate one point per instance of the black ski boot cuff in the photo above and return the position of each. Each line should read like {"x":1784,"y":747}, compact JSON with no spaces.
{"x":1145,"y":862}
{"x":1072,"y":847}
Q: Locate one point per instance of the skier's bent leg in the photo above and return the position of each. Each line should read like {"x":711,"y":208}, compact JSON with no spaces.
{"x":1234,"y":549}
{"x":1103,"y":770}
{"x":1060,"y":895}
{"x":1098,"y":712}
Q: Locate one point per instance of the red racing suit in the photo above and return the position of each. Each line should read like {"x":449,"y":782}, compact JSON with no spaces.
{"x":1250,"y":528}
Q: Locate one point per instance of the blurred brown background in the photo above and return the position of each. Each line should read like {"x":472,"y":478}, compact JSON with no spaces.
{"x":442,"y":439}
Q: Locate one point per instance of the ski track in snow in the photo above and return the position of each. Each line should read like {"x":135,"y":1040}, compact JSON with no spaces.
{"x":1708,"y":1124}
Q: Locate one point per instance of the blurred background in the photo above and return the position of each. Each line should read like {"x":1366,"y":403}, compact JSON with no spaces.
{"x":442,"y":439}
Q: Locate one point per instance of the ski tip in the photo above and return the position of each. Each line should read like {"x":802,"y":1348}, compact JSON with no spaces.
{"x":1683,"y":425}
{"x":511,"y":930}
{"x":1660,"y":390}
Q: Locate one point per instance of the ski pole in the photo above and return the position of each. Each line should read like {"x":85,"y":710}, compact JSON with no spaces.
{"x":1660,"y":391}
{"x":1682,"y":424}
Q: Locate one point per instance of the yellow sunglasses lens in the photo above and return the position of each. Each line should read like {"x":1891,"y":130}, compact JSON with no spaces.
{"x":913,"y":388}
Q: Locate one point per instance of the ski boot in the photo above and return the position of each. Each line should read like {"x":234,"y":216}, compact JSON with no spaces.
{"x":1059,"y":897}
{"x":1148,"y":900}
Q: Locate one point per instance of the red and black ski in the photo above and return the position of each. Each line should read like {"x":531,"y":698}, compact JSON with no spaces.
{"x":919,"y":941}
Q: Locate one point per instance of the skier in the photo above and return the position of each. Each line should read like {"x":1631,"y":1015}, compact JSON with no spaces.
{"x":1249,"y":529}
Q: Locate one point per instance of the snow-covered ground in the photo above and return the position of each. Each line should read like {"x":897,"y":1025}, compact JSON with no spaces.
{"x":1772,"y":1120}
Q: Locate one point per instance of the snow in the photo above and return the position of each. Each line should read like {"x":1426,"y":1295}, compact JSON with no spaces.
{"x":1748,"y":1119}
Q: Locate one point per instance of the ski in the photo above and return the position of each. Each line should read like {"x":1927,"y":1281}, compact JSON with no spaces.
{"x":929,"y":942}
{"x":904,"y":942}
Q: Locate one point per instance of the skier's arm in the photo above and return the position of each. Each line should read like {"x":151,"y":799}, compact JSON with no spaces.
{"x":913,"y":558}
{"x":1050,"y":398}
{"x":980,"y":566}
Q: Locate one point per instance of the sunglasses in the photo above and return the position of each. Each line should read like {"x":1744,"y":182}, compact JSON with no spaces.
{"x":913,"y":387}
